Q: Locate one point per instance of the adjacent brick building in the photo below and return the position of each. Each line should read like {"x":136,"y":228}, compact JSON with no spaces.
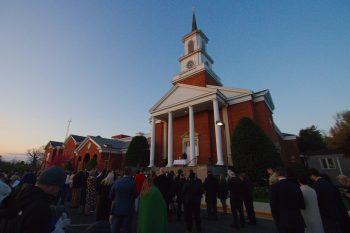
{"x":79,"y":150}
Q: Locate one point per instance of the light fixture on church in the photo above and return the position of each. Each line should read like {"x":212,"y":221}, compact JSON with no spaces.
{"x":219,"y":123}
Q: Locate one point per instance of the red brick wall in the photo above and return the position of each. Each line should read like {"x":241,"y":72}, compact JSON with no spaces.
{"x":52,"y":155}
{"x":201,"y":79}
{"x":69,"y":147}
{"x":48,"y":156}
{"x":263,"y":117}
{"x":290,"y":152}
{"x":85,"y":151}
{"x":159,"y":144}
{"x":238,"y":111}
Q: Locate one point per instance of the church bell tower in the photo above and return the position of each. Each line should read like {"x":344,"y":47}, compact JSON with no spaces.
{"x":195,"y":58}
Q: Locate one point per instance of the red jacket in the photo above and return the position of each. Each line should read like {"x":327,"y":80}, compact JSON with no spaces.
{"x":139,"y":179}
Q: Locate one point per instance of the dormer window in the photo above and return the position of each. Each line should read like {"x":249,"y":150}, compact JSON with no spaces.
{"x":190,"y":46}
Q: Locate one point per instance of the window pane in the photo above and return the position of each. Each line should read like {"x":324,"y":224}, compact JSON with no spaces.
{"x":331,"y":163}
{"x":324,"y":163}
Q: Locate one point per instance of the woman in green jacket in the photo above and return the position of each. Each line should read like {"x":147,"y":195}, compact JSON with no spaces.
{"x":152,"y":216}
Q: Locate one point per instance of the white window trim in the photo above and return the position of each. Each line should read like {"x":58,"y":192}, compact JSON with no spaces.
{"x":328,"y":165}
{"x":186,"y":139}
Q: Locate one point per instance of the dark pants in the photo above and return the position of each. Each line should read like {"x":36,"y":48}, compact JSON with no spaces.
{"x":237,"y":212}
{"x":190,"y":210}
{"x":119,"y":221}
{"x":224,"y":205}
{"x":248,"y":203}
{"x":64,"y":194}
{"x":212,"y":210}
{"x":179,"y":209}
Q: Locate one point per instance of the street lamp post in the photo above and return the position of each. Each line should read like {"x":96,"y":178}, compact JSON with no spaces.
{"x":109,"y":154}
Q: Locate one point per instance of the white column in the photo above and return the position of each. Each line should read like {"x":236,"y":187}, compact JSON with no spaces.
{"x":192,"y":142}
{"x":220,"y":160}
{"x":170,"y":139}
{"x":153,"y":144}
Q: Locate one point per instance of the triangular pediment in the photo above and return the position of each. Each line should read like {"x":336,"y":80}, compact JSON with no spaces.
{"x":181,"y":93}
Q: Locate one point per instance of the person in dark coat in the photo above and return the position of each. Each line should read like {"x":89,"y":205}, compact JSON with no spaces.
{"x":122,"y":194}
{"x":211,"y":187}
{"x":100,"y":176}
{"x":84,"y":177}
{"x":76,"y":189}
{"x":286,"y":201}
{"x":103,"y":202}
{"x":162,"y":183}
{"x":223,"y":193}
{"x":29,"y":210}
{"x":328,"y":201}
{"x":248,"y":199}
{"x":192,"y":194}
{"x":171,"y":193}
{"x":235,"y":188}
{"x":179,"y":183}
{"x":28,"y":178}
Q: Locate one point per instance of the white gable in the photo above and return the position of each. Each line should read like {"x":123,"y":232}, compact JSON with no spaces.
{"x":181,"y":93}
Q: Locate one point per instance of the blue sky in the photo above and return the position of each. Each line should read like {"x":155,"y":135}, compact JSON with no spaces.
{"x":105,"y":63}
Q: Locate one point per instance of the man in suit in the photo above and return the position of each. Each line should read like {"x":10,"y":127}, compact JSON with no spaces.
{"x":327,"y":202}
{"x":235,"y":187}
{"x":286,"y":201}
{"x":211,"y":187}
{"x":122,"y":194}
{"x":192,"y":193}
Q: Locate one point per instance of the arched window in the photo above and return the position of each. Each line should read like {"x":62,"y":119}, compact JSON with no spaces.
{"x":190,"y":46}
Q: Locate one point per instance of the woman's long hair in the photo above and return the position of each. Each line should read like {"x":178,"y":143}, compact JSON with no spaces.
{"x":109,"y":179}
{"x":146,"y":187}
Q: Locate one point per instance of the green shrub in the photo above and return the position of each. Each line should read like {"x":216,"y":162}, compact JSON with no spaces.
{"x":252,"y":151}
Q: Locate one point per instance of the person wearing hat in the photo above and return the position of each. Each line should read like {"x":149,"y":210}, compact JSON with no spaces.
{"x":29,"y":210}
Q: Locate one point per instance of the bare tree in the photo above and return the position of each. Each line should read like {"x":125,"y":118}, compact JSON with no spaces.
{"x":35,"y":158}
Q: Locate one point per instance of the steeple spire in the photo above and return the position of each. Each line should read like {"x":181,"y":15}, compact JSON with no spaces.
{"x":194,"y":24}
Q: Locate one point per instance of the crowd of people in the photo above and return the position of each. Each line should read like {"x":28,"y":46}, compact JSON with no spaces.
{"x":113,"y":197}
{"x":310,"y":203}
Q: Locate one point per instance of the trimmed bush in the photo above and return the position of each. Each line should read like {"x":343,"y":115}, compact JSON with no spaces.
{"x":138,"y":152}
{"x":252,"y":151}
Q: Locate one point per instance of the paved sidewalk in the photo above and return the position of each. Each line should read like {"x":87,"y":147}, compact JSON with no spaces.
{"x":222,"y":225}
{"x":261,"y":209}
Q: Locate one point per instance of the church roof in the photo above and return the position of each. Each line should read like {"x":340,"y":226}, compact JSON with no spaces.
{"x":184,"y":95}
{"x":78,"y":138}
{"x":54,"y":144}
{"x":113,"y":143}
{"x":106,"y":143}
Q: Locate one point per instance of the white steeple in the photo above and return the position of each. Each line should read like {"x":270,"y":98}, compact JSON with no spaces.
{"x":195,"y":57}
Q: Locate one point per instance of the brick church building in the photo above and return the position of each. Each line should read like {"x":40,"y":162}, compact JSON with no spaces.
{"x":198,"y":115}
